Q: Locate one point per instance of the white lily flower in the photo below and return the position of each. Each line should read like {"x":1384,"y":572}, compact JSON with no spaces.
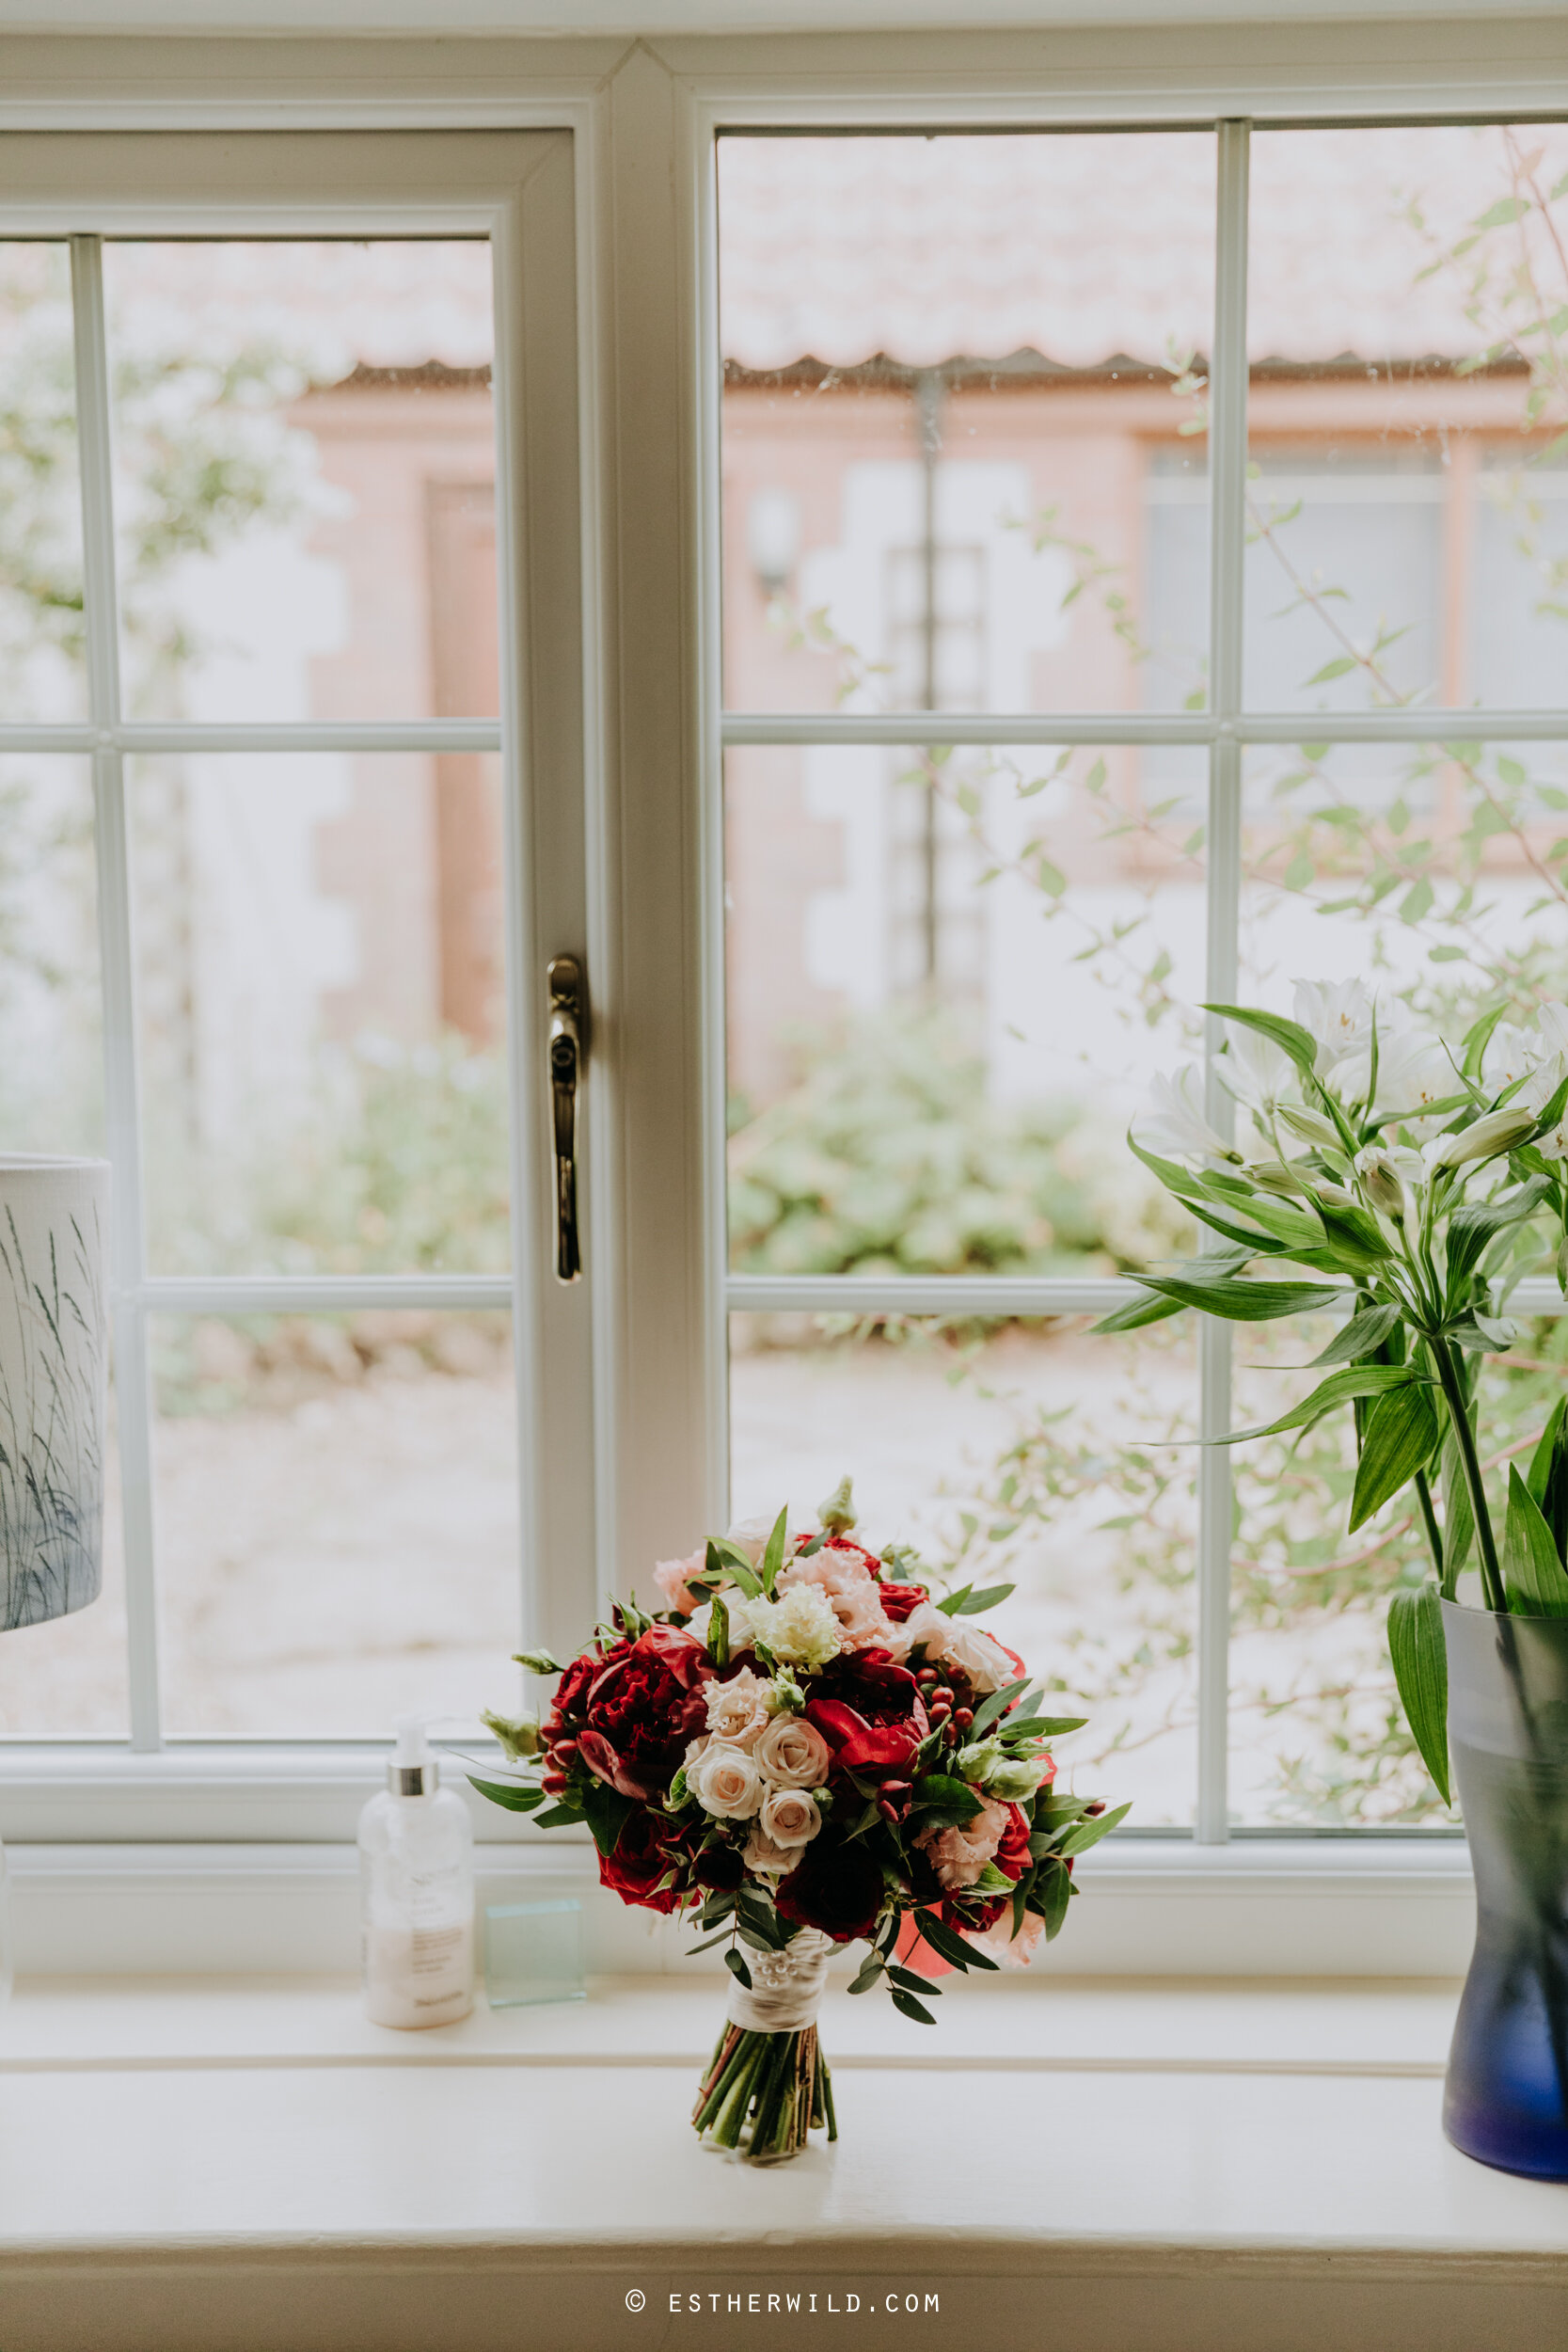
{"x":1175,"y":1127}
{"x":1413,"y":1074}
{"x":1339,"y":1014}
{"x":1511,"y":1054}
{"x":1254,"y":1069}
{"x":1552,"y":1021}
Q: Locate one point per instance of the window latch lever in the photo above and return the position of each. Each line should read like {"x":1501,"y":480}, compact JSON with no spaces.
{"x":567,"y":1055}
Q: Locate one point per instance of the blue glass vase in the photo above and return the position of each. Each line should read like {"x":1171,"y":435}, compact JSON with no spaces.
{"x":1507,"y":2096}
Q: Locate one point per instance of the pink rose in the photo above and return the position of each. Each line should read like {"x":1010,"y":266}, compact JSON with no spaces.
{"x":959,"y":1855}
{"x":671,"y":1575}
{"x":999,"y":1941}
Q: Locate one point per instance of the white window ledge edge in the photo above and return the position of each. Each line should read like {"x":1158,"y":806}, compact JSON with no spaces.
{"x":1254,"y":1908}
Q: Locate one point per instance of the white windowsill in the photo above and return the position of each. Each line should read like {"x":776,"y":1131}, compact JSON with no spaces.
{"x":1242,"y":2166}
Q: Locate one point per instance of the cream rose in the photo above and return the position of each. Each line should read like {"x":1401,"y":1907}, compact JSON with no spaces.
{"x":761,"y":1853}
{"x":793,"y":1753}
{"x":789,"y":1817}
{"x":737,"y":1709}
{"x":725,"y":1782}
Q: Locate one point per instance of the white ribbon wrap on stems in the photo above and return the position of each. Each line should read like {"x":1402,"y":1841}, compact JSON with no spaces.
{"x":786,"y":1987}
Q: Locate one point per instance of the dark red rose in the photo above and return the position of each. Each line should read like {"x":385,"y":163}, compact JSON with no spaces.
{"x":718,"y":1867}
{"x":633,"y":1871}
{"x":1012,"y":1857}
{"x":901,"y":1600}
{"x":571,"y":1691}
{"x":837,"y":1889}
{"x":644,"y":1707}
{"x":870,"y":1713}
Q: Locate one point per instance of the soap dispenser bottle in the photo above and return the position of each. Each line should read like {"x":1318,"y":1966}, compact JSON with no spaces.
{"x":417,"y":1892}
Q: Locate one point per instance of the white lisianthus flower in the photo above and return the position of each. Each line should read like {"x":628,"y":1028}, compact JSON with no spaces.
{"x":799,"y":1626}
{"x":1338,"y":1015}
{"x":789,"y":1817}
{"x":1174,"y":1125}
{"x":725,"y":1782}
{"x":737,"y":1709}
{"x":793,"y":1753}
{"x":953,"y":1642}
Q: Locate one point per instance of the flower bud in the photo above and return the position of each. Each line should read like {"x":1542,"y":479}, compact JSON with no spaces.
{"x":1275,"y":1176}
{"x":1484,"y":1139}
{"x":977,"y":1763}
{"x":1310,"y":1126}
{"x":837,"y":1515}
{"x":1381,"y":1183}
{"x":1334,"y":1196}
{"x":1018,"y":1777}
{"x":518,"y":1735}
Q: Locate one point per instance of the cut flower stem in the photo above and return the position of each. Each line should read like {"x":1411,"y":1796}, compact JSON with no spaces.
{"x":763,"y":2093}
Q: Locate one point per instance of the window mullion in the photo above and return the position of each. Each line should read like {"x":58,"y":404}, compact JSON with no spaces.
{"x":1228,"y":539}
{"x":116,"y":965}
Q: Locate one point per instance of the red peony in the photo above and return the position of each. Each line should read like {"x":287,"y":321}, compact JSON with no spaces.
{"x":873,"y":1717}
{"x":837,"y":1889}
{"x":645,"y":1705}
{"x":901,"y":1600}
{"x":639,"y":1861}
{"x":571,"y":1693}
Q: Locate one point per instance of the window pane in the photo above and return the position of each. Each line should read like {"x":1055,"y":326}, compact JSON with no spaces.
{"x":1409,"y":358}
{"x":42,"y":678}
{"x":1432,"y":872}
{"x":305,"y":478}
{"x":1027,"y":1454}
{"x":337,"y":1501}
{"x":950,"y":978}
{"x":66,"y":1679}
{"x":964,"y":421}
{"x":51,"y":1069}
{"x":322,"y":1012}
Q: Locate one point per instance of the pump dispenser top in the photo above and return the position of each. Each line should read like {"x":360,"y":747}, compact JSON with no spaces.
{"x":412,"y":1770}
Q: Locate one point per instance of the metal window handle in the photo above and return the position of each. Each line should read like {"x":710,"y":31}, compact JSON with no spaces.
{"x":568,"y":1053}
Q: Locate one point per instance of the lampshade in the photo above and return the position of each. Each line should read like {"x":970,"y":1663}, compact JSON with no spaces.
{"x":54,"y":1385}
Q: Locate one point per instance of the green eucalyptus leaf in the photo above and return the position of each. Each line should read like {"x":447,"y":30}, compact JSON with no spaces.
{"x":1087,"y":1834}
{"x":970,"y":1603}
{"x":516,"y":1799}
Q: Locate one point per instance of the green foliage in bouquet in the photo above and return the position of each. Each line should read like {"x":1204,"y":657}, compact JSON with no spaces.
{"x":1424,"y":1184}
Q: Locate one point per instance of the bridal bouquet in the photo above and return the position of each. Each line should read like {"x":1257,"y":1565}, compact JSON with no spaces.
{"x":804,"y":1748}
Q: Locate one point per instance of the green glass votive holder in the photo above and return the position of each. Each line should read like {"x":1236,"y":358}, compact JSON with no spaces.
{"x":534,"y":1953}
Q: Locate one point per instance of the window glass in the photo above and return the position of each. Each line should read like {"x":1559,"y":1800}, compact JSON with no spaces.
{"x":1015,"y":1451}
{"x":337,"y":1510}
{"x":322,"y":1011}
{"x":951,"y":976}
{"x":1408,"y":337}
{"x":956,"y":372}
{"x":305,"y":479}
{"x":42,"y":678}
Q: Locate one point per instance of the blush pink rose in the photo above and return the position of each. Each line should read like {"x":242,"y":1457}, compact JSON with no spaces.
{"x":959,"y":1855}
{"x":671,"y":1575}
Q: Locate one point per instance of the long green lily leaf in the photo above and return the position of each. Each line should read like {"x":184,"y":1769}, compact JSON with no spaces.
{"x":1138,"y":1313}
{"x":1301,"y":1046}
{"x":1535,"y":1578}
{"x":1421,"y":1671}
{"x":1339,"y":1388}
{"x":1402,"y":1433}
{"x":1242,"y":1302}
{"x":1365,"y":1330}
{"x":1478,"y":1222}
{"x":1459,"y":1518}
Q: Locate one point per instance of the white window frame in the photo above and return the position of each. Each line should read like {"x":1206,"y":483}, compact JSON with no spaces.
{"x":650,"y":1407}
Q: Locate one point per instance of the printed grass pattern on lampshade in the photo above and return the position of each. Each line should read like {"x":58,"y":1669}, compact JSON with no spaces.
{"x":54,"y":1386}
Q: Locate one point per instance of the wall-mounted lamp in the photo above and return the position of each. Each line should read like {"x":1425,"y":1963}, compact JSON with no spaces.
{"x":773,"y":537}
